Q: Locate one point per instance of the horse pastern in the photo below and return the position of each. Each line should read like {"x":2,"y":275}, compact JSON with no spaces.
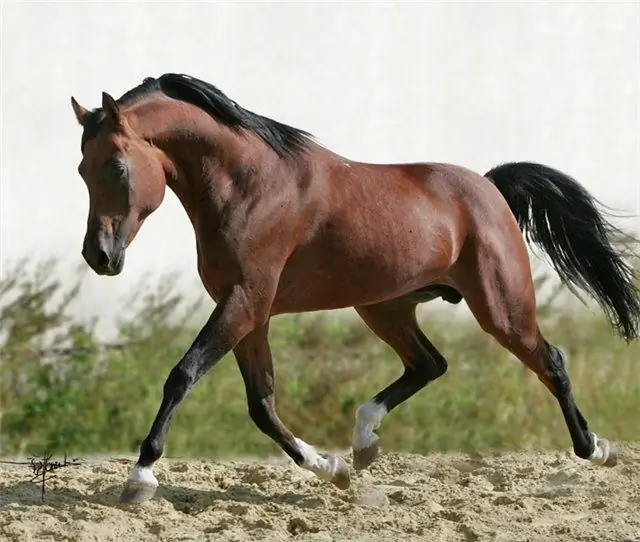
{"x":142,"y":476}
{"x":364,"y":437}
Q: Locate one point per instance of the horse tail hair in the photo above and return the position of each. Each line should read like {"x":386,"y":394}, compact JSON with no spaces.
{"x":557,"y":214}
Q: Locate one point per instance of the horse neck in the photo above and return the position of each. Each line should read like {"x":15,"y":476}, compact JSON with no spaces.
{"x":201,"y":151}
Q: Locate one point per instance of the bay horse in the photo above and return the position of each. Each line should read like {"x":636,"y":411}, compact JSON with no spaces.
{"x":284,"y":225}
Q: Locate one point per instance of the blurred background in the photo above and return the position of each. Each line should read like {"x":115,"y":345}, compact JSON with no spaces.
{"x":84,"y":357}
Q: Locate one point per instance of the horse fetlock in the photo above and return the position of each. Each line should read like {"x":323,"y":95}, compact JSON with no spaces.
{"x":150,"y":451}
{"x":369,"y":416}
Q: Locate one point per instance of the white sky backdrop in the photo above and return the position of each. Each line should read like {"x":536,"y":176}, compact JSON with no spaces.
{"x":475,"y":83}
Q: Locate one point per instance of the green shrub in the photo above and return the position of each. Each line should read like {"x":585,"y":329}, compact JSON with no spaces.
{"x":61,"y":389}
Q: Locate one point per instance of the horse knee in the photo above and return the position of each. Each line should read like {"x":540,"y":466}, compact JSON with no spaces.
{"x":556,"y":371}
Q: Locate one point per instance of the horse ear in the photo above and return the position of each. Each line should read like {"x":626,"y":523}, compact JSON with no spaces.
{"x":111,"y":108}
{"x":80,"y":112}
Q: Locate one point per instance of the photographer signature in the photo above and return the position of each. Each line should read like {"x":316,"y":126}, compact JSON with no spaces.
{"x":43,"y":468}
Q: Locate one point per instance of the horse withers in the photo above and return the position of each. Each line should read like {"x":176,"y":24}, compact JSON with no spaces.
{"x":284,"y":225}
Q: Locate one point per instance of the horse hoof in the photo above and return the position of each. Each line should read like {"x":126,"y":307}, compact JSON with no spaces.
{"x":341,"y":478}
{"x":605,"y":454}
{"x":612,"y":460}
{"x":363,"y":458}
{"x":610,"y":454}
{"x":136,"y":492}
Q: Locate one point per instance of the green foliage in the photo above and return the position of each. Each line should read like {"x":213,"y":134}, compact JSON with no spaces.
{"x":60,"y":388}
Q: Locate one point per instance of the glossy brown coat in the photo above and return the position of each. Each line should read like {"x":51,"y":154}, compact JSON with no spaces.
{"x":284,"y":225}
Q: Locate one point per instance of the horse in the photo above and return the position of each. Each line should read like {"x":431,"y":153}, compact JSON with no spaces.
{"x":284,"y":225}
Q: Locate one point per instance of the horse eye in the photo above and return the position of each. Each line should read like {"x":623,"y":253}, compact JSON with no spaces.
{"x":116,"y":168}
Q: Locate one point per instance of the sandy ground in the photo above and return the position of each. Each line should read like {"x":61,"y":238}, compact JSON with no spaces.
{"x":516,"y":497}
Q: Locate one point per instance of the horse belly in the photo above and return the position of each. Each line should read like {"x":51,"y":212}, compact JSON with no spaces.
{"x":347,"y":265}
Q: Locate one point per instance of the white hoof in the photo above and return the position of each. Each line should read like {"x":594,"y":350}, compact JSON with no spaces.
{"x":603,"y":454}
{"x":326,"y":466}
{"x":141,"y":485}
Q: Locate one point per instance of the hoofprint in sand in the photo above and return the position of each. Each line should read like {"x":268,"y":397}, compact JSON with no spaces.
{"x":525,"y":496}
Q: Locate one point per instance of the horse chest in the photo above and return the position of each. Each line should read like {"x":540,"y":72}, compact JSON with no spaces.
{"x":216,"y":271}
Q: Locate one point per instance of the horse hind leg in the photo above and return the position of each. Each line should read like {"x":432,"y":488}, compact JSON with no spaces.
{"x":548,"y":362}
{"x":586,"y":444}
{"x":507,"y":311}
{"x":395,"y":323}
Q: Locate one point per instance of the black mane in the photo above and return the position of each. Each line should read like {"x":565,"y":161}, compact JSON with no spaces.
{"x":283,"y":139}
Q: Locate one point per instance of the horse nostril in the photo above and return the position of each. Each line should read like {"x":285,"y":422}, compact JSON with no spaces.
{"x":102,"y":259}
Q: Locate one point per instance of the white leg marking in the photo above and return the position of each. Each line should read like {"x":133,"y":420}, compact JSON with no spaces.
{"x":324,"y":467}
{"x":601,"y":451}
{"x":143,"y":476}
{"x":368,"y":419}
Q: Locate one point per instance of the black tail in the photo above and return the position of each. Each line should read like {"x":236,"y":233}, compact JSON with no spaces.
{"x":556,"y":213}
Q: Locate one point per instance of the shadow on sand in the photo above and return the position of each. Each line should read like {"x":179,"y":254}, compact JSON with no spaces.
{"x":188,"y":501}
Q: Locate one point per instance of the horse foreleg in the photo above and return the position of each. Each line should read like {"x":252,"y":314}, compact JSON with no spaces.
{"x":253,"y":355}
{"x":232,"y":319}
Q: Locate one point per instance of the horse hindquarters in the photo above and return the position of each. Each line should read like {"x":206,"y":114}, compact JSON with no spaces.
{"x":494,"y":276}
